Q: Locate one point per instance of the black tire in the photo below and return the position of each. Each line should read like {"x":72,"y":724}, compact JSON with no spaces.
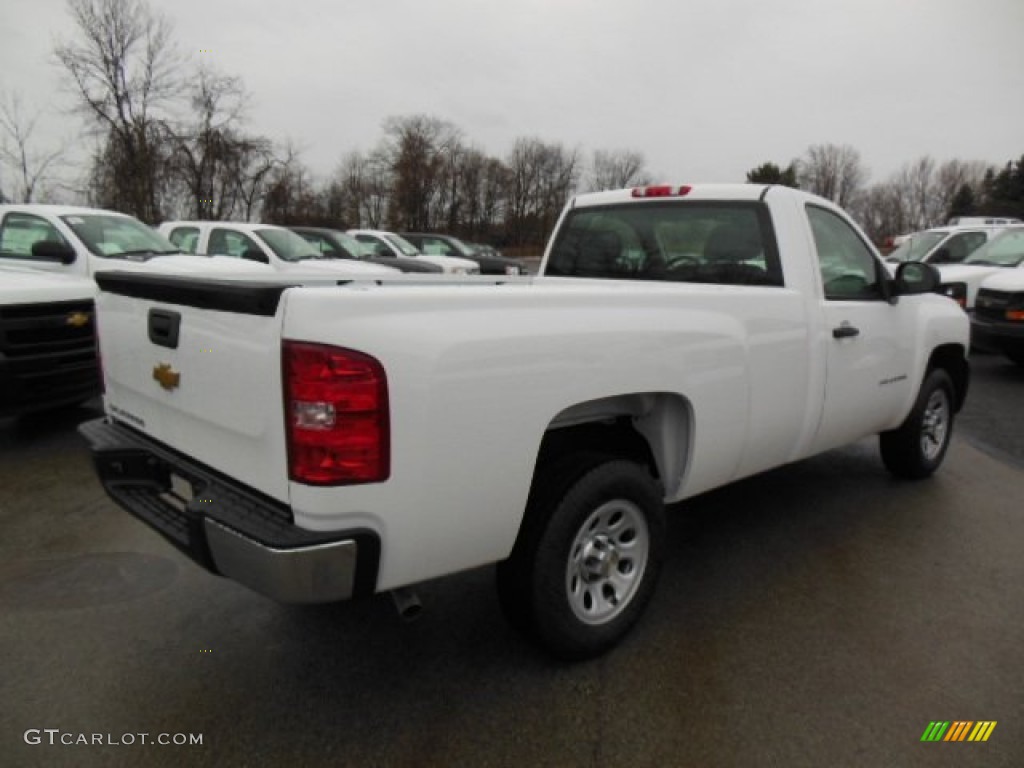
{"x":917,"y":448}
{"x":588,"y":557}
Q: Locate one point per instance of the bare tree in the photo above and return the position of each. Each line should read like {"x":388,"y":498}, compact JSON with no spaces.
{"x":834,"y":172}
{"x":542,"y":177}
{"x":616,"y":169}
{"x":421,"y":151}
{"x":27,"y":164}
{"x":207,"y":156}
{"x":123,"y":69}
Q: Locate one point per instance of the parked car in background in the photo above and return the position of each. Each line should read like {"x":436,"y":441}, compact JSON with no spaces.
{"x":277,"y":247}
{"x":964,"y":221}
{"x":73,"y":240}
{"x":1003,"y":252}
{"x":47,"y":341}
{"x":943,"y":245}
{"x":445,"y":245}
{"x":997,"y":324}
{"x":336,"y":244}
{"x":390,"y":245}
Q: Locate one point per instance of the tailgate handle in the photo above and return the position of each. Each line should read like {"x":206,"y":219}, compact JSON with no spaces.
{"x":163,"y":327}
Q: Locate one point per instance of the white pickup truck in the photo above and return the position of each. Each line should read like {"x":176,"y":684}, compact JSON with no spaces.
{"x":72,"y":240}
{"x":997,"y":323}
{"x":47,"y":341}
{"x":317,"y":442}
{"x":1004,"y":252}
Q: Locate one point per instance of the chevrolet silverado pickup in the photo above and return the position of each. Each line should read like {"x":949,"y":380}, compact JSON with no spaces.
{"x":317,"y":442}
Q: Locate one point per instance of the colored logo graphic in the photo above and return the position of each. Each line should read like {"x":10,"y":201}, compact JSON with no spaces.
{"x":959,"y":730}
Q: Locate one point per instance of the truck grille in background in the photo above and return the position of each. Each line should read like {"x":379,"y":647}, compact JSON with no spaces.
{"x":992,"y":305}
{"x":47,"y":355}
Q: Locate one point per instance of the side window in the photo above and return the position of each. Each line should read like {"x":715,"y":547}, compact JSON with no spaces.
{"x":224,"y":242}
{"x":186,"y":238}
{"x":377,"y":247}
{"x":20,"y":231}
{"x":435,"y":247}
{"x":319,"y":243}
{"x":849,"y":270}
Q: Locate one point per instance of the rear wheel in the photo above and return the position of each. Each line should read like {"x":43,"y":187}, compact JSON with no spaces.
{"x":917,"y":448}
{"x":588,"y":558}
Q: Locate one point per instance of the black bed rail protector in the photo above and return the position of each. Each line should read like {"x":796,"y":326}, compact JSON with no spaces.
{"x":246,"y":297}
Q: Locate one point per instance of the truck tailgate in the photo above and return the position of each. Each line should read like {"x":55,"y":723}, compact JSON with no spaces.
{"x":197,"y":366}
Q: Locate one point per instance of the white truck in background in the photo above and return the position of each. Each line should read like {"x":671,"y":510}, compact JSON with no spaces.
{"x":49,"y":255}
{"x":997,"y":323}
{"x":72,"y":240}
{"x":275,"y":247}
{"x":317,"y":442}
{"x":47,"y":341}
{"x":1004,"y":252}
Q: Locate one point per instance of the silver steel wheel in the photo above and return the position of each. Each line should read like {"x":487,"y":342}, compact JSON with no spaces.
{"x":935,"y":424}
{"x":607,"y":561}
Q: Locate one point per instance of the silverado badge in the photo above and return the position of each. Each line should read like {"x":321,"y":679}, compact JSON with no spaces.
{"x":168,"y":377}
{"x":77,"y":319}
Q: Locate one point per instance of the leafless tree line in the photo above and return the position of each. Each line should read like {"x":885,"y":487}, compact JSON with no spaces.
{"x":174,"y":146}
{"x":923,"y":193}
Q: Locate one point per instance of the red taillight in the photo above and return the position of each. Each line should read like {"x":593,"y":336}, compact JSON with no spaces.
{"x":1014,"y":314}
{"x":336,"y":407}
{"x":663,"y":190}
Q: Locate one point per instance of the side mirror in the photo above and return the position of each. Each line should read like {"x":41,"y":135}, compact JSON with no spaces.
{"x":914,"y":277}
{"x":255,"y":254}
{"x":53,"y":251}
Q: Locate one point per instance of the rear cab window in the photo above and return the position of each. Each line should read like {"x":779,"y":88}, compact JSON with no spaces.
{"x":729,"y":243}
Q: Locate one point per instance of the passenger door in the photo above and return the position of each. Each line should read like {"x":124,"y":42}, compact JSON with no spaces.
{"x":865,"y":339}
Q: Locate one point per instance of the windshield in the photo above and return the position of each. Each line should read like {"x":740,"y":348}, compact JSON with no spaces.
{"x":287,"y":245}
{"x":107,"y":234}
{"x":407,"y":248}
{"x":1004,"y":250}
{"x":463,"y":249}
{"x":915,"y":248}
{"x":353,"y":247}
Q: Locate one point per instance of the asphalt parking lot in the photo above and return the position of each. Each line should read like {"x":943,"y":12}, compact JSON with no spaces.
{"x":822,"y":614}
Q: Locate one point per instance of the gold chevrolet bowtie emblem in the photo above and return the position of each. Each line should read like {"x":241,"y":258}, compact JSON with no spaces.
{"x":168,"y":378}
{"x":77,"y":319}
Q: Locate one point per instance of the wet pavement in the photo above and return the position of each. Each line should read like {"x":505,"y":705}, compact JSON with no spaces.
{"x":819,"y":615}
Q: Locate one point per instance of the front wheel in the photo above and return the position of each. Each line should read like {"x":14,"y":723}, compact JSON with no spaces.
{"x":917,"y":448}
{"x":588,"y":560}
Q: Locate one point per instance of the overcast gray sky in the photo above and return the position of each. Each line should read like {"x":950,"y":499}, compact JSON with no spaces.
{"x":706,"y":90}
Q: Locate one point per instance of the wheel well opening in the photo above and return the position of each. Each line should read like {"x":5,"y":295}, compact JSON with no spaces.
{"x":616,"y":437}
{"x":952,"y":358}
